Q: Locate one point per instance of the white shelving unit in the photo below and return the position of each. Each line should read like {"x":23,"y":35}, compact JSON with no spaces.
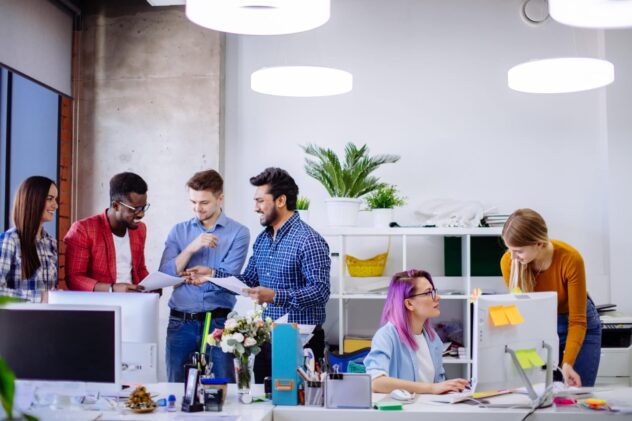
{"x":338,"y":237}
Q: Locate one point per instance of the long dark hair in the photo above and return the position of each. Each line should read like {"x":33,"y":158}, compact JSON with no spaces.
{"x":28,"y":207}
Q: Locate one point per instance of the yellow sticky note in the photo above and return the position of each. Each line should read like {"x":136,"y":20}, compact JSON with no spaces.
{"x":498,"y":316}
{"x":523,"y":358}
{"x":534,"y":357}
{"x":513,"y":314}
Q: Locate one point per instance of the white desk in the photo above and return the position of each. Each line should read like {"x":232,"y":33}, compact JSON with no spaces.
{"x":423,"y":409}
{"x":260,"y":411}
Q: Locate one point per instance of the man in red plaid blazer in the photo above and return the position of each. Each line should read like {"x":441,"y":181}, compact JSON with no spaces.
{"x":106,"y":252}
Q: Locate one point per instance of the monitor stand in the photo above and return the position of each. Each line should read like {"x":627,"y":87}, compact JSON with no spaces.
{"x":537,"y":401}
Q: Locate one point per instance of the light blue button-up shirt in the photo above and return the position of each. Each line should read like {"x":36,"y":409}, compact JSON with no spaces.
{"x":229,"y":255}
{"x":392,"y":357}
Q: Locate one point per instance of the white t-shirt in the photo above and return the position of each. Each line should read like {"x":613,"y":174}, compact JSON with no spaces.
{"x":123,"y":258}
{"x":424,"y":360}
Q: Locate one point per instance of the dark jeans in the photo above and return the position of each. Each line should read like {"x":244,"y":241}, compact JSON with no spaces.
{"x":263,"y":361}
{"x":587,"y":362}
{"x":184,"y":338}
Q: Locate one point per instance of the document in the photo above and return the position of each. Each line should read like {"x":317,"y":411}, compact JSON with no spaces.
{"x":231,"y":283}
{"x":304,"y":330}
{"x":157,"y":280}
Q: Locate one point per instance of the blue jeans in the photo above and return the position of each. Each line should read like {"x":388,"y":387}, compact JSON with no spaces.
{"x":587,"y":362}
{"x":184,"y":337}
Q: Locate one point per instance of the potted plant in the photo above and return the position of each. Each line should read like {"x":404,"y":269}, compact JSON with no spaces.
{"x":302,"y":206}
{"x":243,"y":336}
{"x":381,"y":202}
{"x":345,"y":181}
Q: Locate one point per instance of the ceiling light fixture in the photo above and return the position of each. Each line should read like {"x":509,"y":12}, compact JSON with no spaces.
{"x":301,"y":81}
{"x":592,"y":13}
{"x":259,"y":17}
{"x":560,"y":75}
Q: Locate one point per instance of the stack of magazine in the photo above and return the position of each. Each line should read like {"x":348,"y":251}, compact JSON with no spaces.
{"x":494,"y":220}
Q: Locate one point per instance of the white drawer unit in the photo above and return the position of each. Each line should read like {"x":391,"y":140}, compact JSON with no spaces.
{"x":615,"y":362}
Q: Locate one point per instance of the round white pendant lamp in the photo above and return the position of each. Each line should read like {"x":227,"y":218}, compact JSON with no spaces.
{"x":560,"y":75}
{"x":592,"y":13}
{"x":301,"y":81}
{"x":259,"y":17}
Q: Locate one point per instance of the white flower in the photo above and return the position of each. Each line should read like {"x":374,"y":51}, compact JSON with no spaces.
{"x":250,"y":342}
{"x":224,"y":344}
{"x":230,"y":324}
{"x":238,"y":337}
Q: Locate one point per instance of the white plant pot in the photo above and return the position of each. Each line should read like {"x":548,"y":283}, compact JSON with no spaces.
{"x":343,"y":211}
{"x":304,"y":214}
{"x":382,"y":217}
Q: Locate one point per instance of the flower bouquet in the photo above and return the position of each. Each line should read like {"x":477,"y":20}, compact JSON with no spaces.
{"x":243,"y":336}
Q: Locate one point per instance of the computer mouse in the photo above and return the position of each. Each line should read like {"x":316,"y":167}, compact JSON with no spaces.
{"x":401,"y":395}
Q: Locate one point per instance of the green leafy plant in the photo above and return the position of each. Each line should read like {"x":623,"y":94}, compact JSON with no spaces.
{"x":351,"y":178}
{"x":302,"y":203}
{"x":385,"y":197}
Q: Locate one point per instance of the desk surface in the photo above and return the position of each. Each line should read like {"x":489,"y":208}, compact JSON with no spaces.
{"x":458,"y":412}
{"x":260,"y":411}
{"x":267,"y":412}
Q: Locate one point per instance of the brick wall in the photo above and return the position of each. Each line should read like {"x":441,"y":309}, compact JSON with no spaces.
{"x":65,"y":173}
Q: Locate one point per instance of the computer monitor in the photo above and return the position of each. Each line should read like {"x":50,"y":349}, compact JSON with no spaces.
{"x":139,"y":328}
{"x":44,"y":343}
{"x":494,"y":366}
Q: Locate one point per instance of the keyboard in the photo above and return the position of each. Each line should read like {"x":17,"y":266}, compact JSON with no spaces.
{"x":456,"y":397}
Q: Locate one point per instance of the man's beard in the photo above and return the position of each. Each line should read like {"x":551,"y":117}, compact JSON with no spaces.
{"x":269,"y":219}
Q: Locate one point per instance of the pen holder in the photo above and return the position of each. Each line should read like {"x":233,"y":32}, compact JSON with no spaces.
{"x":314,"y":393}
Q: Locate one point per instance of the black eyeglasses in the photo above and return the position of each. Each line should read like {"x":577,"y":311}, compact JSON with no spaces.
{"x":137,"y":209}
{"x":432,"y":293}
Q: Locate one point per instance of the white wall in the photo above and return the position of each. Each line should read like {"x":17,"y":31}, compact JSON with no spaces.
{"x":430,"y":85}
{"x":619,"y":169}
{"x":36,"y":40}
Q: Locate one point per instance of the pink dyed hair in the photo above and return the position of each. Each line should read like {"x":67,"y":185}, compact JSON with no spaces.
{"x":401,"y":287}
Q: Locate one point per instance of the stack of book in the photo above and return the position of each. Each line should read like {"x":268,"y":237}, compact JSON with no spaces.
{"x":494,"y":220}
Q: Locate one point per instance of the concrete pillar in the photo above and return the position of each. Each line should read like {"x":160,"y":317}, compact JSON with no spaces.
{"x":149,"y":101}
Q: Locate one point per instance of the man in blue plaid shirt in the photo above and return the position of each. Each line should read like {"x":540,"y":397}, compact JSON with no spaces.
{"x":290,"y":265}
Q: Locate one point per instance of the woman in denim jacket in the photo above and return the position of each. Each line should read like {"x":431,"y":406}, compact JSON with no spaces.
{"x":406,"y":351}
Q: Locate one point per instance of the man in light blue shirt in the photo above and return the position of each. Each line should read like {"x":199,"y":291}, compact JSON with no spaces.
{"x":210,"y":239}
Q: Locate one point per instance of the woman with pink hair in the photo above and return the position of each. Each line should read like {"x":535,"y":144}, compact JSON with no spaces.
{"x":406,"y":351}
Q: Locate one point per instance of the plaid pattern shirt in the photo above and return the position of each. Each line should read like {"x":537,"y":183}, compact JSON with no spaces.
{"x":44,"y":278}
{"x":296,"y":265}
{"x":91,"y":256}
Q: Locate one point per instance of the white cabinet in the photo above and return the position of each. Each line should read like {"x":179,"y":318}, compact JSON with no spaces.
{"x":373,"y":290}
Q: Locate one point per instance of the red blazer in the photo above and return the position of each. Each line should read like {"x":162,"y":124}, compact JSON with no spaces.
{"x":91,"y":257}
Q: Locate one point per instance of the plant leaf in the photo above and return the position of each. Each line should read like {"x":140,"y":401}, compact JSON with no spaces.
{"x":351,"y":179}
{"x":7,"y":388}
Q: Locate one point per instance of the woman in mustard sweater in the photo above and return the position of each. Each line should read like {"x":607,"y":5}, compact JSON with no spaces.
{"x":533,"y":262}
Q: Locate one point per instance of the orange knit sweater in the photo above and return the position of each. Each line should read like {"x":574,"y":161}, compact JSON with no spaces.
{"x":567,"y":276}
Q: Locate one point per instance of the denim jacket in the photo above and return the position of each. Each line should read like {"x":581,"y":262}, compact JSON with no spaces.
{"x":390,"y":356}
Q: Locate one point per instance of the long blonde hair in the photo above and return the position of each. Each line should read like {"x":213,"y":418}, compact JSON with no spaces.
{"x":525,"y":227}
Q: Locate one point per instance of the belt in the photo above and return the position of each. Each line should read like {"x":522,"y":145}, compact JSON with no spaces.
{"x":216,"y":313}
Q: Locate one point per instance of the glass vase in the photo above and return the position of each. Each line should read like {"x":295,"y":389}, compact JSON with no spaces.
{"x":244,"y":372}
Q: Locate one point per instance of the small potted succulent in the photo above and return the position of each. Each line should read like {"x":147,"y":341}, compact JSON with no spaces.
{"x":302,"y":206}
{"x":381,"y":202}
{"x":345,"y":180}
